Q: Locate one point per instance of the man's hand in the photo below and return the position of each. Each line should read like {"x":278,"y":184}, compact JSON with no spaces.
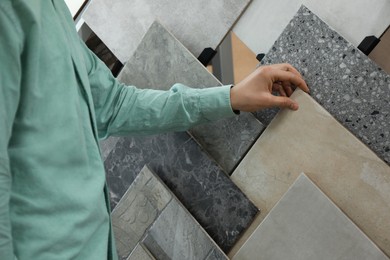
{"x":255,"y":91}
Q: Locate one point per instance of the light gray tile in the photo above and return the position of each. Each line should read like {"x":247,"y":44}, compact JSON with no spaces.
{"x":140,"y":253}
{"x":310,"y":140}
{"x":176,"y":235}
{"x":305,"y":224}
{"x":137,"y":210}
{"x":197,"y":24}
{"x":107,"y":145}
{"x":159,"y":62}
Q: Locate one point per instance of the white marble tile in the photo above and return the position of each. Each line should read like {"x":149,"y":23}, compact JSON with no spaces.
{"x":310,"y":140}
{"x":197,"y":24}
{"x":263,"y":21}
{"x":305,"y":224}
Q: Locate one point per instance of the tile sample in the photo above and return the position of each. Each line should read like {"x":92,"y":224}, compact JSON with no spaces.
{"x":204,"y":189}
{"x":341,"y":78}
{"x":263,"y":21}
{"x":138,"y":209}
{"x":310,"y":140}
{"x":176,"y":235}
{"x":140,"y":253}
{"x":159,"y":62}
{"x":197,"y":24}
{"x":306,"y":224}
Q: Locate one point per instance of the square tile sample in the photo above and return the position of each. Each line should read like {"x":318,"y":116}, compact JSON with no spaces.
{"x":176,"y":235}
{"x":310,"y":140}
{"x":138,"y":209}
{"x":305,"y":224}
{"x":150,"y":211}
{"x":159,"y":62}
{"x":341,"y":78}
{"x":197,"y":24}
{"x":263,"y":21}
{"x":204,"y":189}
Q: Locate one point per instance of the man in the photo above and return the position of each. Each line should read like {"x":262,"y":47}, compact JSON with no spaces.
{"x":56,"y":100}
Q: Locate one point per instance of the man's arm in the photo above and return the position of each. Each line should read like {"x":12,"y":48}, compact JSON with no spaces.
{"x":10,"y":78}
{"x":122,"y":109}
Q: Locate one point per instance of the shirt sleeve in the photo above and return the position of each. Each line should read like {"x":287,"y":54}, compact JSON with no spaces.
{"x":122,"y":109}
{"x":10,"y":79}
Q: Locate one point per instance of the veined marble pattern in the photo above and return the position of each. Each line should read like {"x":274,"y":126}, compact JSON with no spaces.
{"x":138,"y":209}
{"x":305,"y":224}
{"x":197,"y":24}
{"x":140,"y":253}
{"x":159,"y":62}
{"x":263,"y":21}
{"x":341,"y":78}
{"x":176,"y":235}
{"x":204,"y":189}
{"x":310,"y":140}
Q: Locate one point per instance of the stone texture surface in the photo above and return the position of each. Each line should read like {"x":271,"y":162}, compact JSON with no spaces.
{"x":204,"y":189}
{"x":305,"y":224}
{"x":138,"y":209}
{"x":140,"y":253}
{"x":310,"y":140}
{"x":197,"y":24}
{"x":107,"y":145}
{"x":342,"y":79}
{"x":159,"y":62}
{"x":353,"y":19}
{"x":176,"y":235}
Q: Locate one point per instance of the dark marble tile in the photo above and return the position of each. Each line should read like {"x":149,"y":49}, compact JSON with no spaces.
{"x":341,"y":78}
{"x":159,"y":62}
{"x":204,"y":189}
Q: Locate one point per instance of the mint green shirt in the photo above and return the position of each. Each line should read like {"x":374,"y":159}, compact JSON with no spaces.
{"x":56,"y":100}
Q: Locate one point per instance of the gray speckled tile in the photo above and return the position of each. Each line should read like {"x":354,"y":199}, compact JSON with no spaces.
{"x":204,"y":189}
{"x":140,"y":253}
{"x":159,"y":62}
{"x":305,"y":224}
{"x":137,"y":210}
{"x":176,"y":235}
{"x":342,"y":79}
{"x":198,"y":24}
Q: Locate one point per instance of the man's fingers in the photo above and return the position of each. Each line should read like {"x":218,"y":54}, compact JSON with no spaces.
{"x":281,"y":75}
{"x":284,"y":102}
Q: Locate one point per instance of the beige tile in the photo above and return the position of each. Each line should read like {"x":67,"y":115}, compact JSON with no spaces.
{"x":310,"y":140}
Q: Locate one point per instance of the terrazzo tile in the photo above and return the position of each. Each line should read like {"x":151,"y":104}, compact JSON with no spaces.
{"x":197,"y":24}
{"x":341,"y":78}
{"x":204,"y":189}
{"x":263,"y":21}
{"x":305,"y":224}
{"x":138,"y":209}
{"x":310,"y":140}
{"x":176,"y":235}
{"x":140,"y":253}
{"x":159,"y":62}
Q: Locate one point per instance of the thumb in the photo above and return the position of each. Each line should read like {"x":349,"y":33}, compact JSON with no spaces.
{"x":285,"y":102}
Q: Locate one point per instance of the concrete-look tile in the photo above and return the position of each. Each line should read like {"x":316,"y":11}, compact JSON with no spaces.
{"x":140,"y":253}
{"x":107,"y":145}
{"x":305,"y":224}
{"x":341,"y":78}
{"x":176,"y":235}
{"x":263,"y":21}
{"x":310,"y":140}
{"x":137,"y":210}
{"x":204,"y":189}
{"x":159,"y":62}
{"x":197,"y":24}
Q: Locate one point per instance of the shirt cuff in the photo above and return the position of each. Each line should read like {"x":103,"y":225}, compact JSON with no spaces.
{"x":215,"y":103}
